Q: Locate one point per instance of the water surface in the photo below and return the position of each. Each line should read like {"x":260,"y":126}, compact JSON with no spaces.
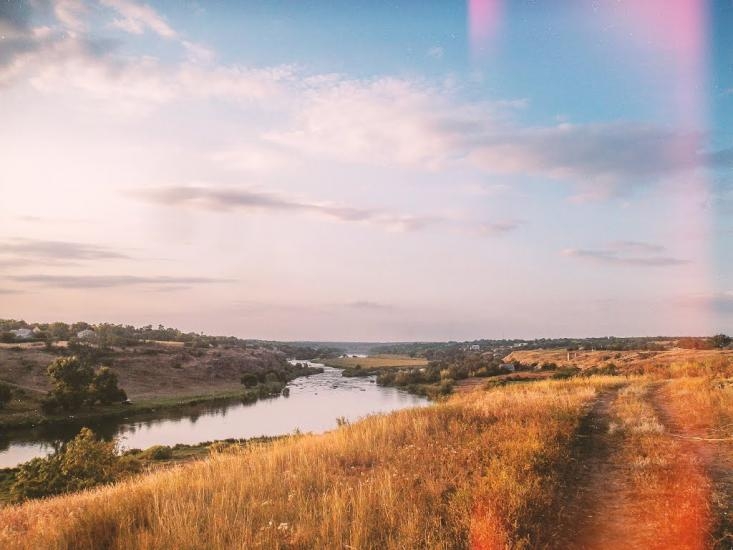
{"x":314,"y":404}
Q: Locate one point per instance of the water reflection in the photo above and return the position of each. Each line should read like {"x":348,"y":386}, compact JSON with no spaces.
{"x":313,"y":406}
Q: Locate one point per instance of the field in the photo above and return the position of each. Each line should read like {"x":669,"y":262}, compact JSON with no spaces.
{"x":375,"y":361}
{"x":587,"y":462}
{"x":590,"y":462}
{"x":630,"y":361}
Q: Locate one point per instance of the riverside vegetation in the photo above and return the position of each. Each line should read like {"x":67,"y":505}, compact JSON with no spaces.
{"x":587,"y":461}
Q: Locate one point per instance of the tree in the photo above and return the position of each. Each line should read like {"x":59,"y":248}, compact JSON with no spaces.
{"x":75,"y":383}
{"x":71,"y":379}
{"x":250,"y":380}
{"x":720,"y":341}
{"x":105,"y":388}
{"x":6,"y":393}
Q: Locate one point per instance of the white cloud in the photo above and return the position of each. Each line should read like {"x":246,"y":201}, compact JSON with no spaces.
{"x":378,"y":121}
{"x":436,"y":52}
{"x":71,"y":13}
{"x":627,"y":253}
{"x":135,"y":18}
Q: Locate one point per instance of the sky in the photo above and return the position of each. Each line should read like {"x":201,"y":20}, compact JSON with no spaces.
{"x":369,"y":170}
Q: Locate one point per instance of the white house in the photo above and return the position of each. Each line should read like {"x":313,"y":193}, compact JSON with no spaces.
{"x":86,"y":334}
{"x":474,"y":347}
{"x":22,"y":333}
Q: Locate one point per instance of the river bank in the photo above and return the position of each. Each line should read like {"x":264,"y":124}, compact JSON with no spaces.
{"x":314,"y":404}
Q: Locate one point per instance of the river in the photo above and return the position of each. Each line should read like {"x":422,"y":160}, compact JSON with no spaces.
{"x":314,"y":404}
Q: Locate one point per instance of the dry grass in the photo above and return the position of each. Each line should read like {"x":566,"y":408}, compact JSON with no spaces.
{"x":702,"y":404}
{"x":477,"y":471}
{"x":376,"y":361}
{"x":700,"y":411}
{"x":669,"y":493}
{"x":675,"y":362}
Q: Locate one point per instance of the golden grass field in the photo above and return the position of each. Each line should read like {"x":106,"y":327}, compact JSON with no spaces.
{"x":376,"y":361}
{"x":625,"y":360}
{"x":478,"y":470}
{"x":589,"y":462}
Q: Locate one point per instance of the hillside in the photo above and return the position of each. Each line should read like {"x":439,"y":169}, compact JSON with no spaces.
{"x":153,"y":374}
{"x":601,"y":462}
{"x":625,"y":361}
{"x":147,"y":370}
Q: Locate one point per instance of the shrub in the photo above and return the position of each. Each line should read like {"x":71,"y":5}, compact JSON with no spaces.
{"x":568,"y":372}
{"x":157,"y":452}
{"x":80,"y":464}
{"x":250,"y":380}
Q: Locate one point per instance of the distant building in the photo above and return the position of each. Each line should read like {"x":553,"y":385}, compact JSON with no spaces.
{"x":474,"y":347}
{"x":86,"y":334}
{"x":22,"y":333}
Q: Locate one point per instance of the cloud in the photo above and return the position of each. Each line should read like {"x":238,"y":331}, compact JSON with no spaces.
{"x":436,"y":52}
{"x":10,"y":291}
{"x":637,"y":247}
{"x":111,"y":281}
{"x":721,"y":158}
{"x":71,"y":13}
{"x":136,"y":18}
{"x":58,"y":250}
{"x":66,"y":58}
{"x":418,"y":124}
{"x":496,"y":228}
{"x":601,"y":158}
{"x":383,"y":121}
{"x":627,"y":253}
{"x":367,"y":305}
{"x":227,"y":199}
{"x":721,"y":302}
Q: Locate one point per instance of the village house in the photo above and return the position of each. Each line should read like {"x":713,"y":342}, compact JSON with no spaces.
{"x":86,"y":334}
{"x":22,"y":333}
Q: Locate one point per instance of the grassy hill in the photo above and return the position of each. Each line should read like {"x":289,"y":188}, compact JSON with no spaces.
{"x":666,"y":361}
{"x":154,"y":374}
{"x":597,"y":461}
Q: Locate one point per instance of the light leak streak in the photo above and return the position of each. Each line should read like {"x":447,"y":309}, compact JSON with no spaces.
{"x":483,"y":23}
{"x":675,"y":34}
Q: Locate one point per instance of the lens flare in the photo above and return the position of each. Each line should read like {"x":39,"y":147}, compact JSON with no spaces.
{"x":483,"y":22}
{"x":675,"y":34}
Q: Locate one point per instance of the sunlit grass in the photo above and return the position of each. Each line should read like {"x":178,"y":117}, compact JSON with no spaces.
{"x":479,"y":470}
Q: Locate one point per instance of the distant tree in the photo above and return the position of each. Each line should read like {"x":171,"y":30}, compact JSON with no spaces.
{"x":7,"y":337}
{"x":105,"y":388}
{"x":6,"y":393}
{"x":70,"y":378}
{"x":59,"y":331}
{"x":250,"y":379}
{"x":720,"y":340}
{"x":75,"y":383}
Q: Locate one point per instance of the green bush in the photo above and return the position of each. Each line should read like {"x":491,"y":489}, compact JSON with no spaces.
{"x":80,"y":464}
{"x":157,"y":452}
